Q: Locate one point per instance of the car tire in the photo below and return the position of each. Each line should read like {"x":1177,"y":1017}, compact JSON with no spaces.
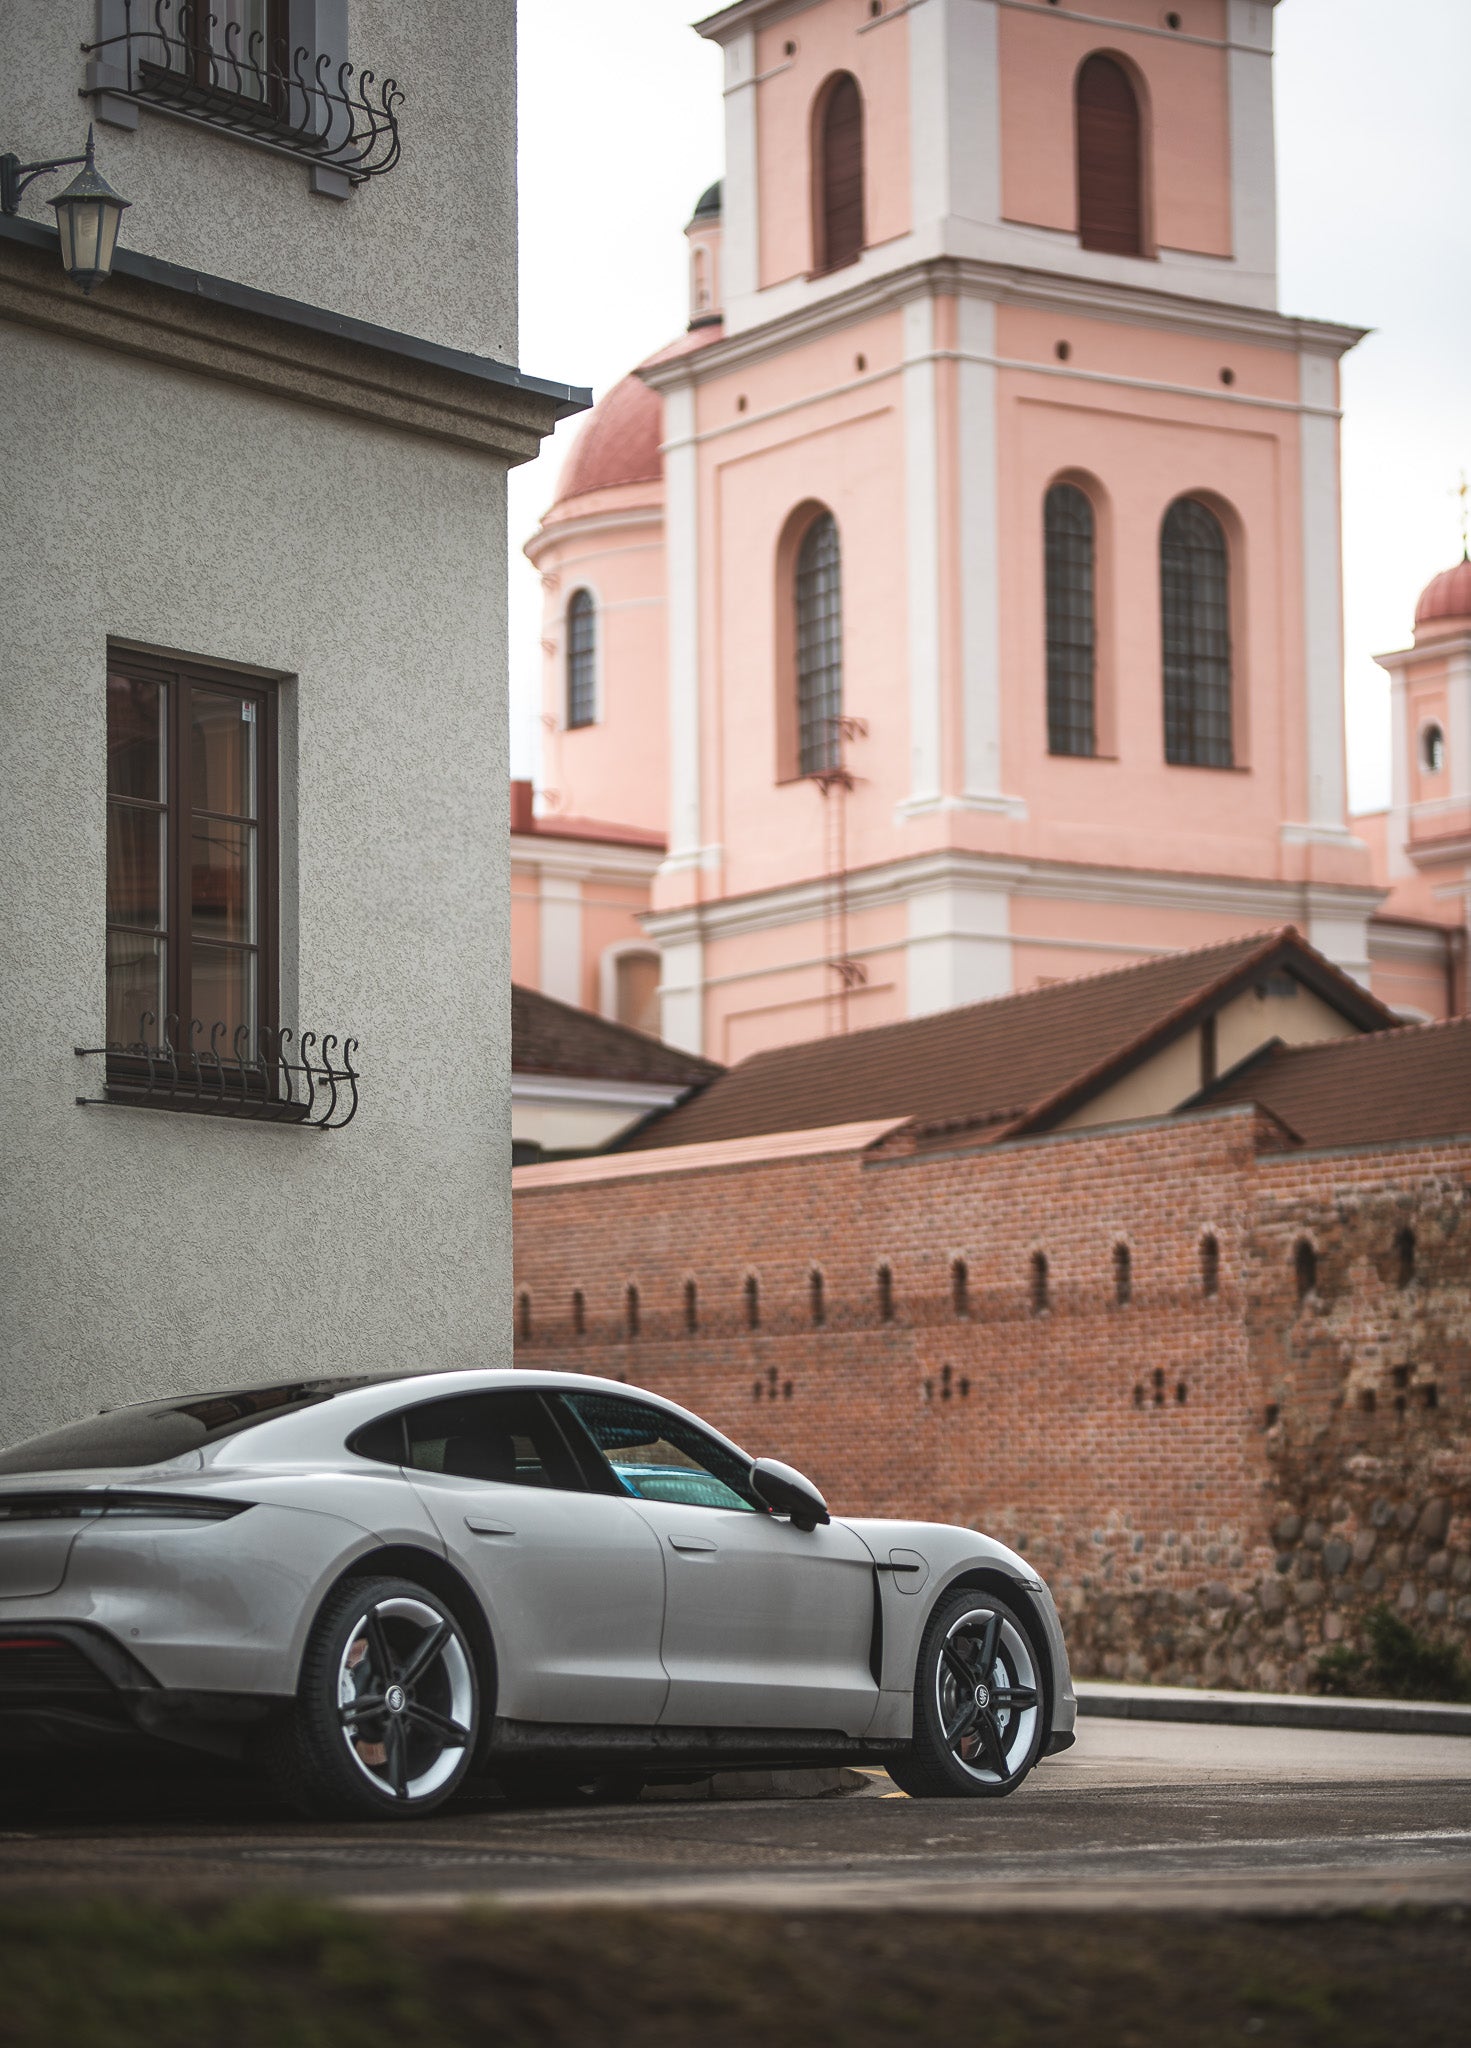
{"x":387,"y":1711}
{"x":978,"y":1701}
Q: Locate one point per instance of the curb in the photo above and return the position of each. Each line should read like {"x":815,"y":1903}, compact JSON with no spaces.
{"x":1269,"y":1709}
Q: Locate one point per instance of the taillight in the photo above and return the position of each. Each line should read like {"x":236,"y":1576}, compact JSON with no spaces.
{"x":95,"y":1506}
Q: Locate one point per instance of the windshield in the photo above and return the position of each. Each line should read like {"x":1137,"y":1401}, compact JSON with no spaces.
{"x":152,"y":1432}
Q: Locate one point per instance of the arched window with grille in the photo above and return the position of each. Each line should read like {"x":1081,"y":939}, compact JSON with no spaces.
{"x":818,"y":598}
{"x":1195,"y":624}
{"x":838,"y":173}
{"x":1071,"y":635}
{"x":1110,"y":143}
{"x":582,"y":659}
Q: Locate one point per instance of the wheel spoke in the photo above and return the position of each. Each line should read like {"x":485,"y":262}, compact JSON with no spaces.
{"x":960,"y":1669}
{"x":398,"y":1761}
{"x":963,"y":1724}
{"x":361,"y":1709}
{"x":426,"y":1653}
{"x":991,"y":1635}
{"x":992,"y":1754}
{"x":1021,"y":1697}
{"x":450,"y":1732}
{"x":378,"y":1646}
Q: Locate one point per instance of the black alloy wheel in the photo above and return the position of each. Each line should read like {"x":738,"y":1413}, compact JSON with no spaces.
{"x":978,"y":1702}
{"x":387,"y":1708}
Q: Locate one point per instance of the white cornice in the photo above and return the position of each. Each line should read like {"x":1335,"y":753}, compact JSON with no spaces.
{"x":582,"y":859}
{"x":1430,"y":650}
{"x":587,"y":523}
{"x":1007,"y":284}
{"x":1389,"y":940}
{"x":898,"y":882}
{"x":593,"y":1091}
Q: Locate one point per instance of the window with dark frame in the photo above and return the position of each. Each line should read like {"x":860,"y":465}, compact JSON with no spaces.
{"x":582,"y":660}
{"x":1110,"y":144}
{"x":1195,"y":617}
{"x":819,"y":605}
{"x":839,"y":169}
{"x":1069,"y":550}
{"x":240,"y":47}
{"x":191,"y":854}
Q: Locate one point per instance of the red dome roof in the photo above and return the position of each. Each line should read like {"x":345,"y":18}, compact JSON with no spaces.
{"x":620,"y":440}
{"x":1447,"y":596}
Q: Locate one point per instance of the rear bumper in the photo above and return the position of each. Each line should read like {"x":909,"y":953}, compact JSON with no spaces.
{"x":66,"y":1684}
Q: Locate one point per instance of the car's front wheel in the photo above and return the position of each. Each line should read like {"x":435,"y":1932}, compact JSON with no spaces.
{"x":978,"y":1705}
{"x":387,"y":1708}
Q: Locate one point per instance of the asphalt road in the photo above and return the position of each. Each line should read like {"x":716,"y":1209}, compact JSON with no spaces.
{"x":1139,"y":1815}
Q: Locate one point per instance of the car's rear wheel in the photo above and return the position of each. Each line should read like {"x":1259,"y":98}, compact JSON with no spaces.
{"x":978,"y":1702}
{"x":387,"y":1708}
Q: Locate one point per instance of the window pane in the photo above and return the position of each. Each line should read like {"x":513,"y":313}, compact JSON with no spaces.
{"x":134,"y":866}
{"x":582,"y":662}
{"x":222,"y":730}
{"x":504,"y":1439}
{"x":1196,"y":630}
{"x":819,"y":647}
{"x":658,"y":1457}
{"x":222,"y":886}
{"x":135,"y":1000}
{"x":223,"y":993}
{"x":1068,"y":519}
{"x":135,"y":739}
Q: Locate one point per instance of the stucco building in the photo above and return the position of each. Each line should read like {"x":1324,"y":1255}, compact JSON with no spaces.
{"x":253,"y":675}
{"x":958,"y":600}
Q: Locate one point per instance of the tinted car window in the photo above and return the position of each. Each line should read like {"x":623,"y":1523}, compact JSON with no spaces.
{"x":150,"y":1432}
{"x":655,"y":1456}
{"x":506,"y":1438}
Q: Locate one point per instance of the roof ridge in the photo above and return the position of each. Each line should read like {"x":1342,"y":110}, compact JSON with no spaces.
{"x":1255,"y":941}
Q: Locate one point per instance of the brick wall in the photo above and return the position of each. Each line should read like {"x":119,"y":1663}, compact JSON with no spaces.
{"x":1146,"y":1453}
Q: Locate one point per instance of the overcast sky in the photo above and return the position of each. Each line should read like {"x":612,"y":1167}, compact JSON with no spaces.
{"x":621,"y":132}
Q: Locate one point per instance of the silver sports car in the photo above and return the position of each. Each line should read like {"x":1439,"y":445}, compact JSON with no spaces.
{"x":379,"y":1588}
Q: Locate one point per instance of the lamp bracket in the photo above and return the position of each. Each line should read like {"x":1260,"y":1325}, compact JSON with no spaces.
{"x":16,"y":176}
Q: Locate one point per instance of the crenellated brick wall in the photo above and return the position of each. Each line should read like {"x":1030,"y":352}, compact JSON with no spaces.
{"x":1147,"y":1452}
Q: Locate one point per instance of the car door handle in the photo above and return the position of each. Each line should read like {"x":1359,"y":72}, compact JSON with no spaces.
{"x":700,"y":1545}
{"x":481,"y":1525}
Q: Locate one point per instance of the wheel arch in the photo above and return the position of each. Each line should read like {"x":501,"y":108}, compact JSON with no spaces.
{"x":438,"y":1576}
{"x":991,"y":1579}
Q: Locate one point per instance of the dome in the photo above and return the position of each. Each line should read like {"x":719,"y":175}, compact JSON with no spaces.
{"x":1446,"y":596}
{"x":709,"y":203}
{"x":620,"y":440}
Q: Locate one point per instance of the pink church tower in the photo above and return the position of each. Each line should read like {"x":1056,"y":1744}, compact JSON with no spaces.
{"x":978,"y":621}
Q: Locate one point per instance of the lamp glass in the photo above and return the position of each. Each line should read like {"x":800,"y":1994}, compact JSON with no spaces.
{"x":88,"y":213}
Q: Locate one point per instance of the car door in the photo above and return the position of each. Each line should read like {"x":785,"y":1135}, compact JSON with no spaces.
{"x":765,"y":1626}
{"x":572,"y":1579}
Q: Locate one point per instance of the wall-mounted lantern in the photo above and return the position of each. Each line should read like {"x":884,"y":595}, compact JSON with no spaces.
{"x":88,"y":212}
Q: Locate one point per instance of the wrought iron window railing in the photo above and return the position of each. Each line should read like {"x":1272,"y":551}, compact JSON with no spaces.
{"x":268,"y":1077}
{"x":209,"y":66}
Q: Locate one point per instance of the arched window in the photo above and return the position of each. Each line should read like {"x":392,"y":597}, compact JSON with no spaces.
{"x":1404,"y":1249}
{"x":1210,"y":1264}
{"x":884,"y":1282}
{"x":1110,"y":159}
{"x":523,"y":1316}
{"x":960,"y":1287}
{"x":753,"y":1302}
{"x":691,"y":1306}
{"x":636,"y":991}
{"x":818,"y":594}
{"x":1195,"y":619}
{"x":1123,"y":1275}
{"x":1068,"y":523}
{"x":1304,"y":1268}
{"x":579,"y":1312}
{"x":582,"y":659}
{"x":816,"y":1298}
{"x":1041,"y":1284}
{"x":838,"y":174}
{"x":631,"y":1311}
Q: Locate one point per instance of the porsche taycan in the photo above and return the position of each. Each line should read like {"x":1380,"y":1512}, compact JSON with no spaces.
{"x":380,"y":1590}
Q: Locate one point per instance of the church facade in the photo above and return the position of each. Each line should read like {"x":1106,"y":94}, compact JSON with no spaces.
{"x":956,"y":606}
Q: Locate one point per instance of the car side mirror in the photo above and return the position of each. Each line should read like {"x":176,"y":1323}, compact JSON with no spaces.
{"x":786,"y":1492}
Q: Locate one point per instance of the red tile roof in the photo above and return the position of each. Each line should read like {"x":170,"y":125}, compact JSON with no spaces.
{"x":1446,"y":596}
{"x":1388,"y":1086}
{"x":620,"y":440}
{"x":1018,"y":1062}
{"x":548,"y":1037}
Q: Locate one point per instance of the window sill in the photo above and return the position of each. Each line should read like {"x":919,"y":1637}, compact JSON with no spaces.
{"x":306,"y":1082}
